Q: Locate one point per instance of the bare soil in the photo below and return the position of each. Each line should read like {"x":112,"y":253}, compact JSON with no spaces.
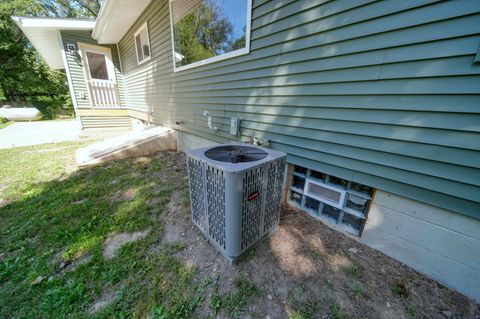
{"x":115,"y":241}
{"x":307,"y":270}
{"x":105,"y":299}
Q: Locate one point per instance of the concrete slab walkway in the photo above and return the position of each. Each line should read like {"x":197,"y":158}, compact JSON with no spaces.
{"x":42,"y":132}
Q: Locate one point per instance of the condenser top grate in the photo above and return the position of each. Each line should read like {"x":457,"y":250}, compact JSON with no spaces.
{"x":235,"y":157}
{"x":235,"y":154}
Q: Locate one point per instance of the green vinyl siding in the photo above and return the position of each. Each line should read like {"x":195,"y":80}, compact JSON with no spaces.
{"x":384,"y":93}
{"x":76,"y":70}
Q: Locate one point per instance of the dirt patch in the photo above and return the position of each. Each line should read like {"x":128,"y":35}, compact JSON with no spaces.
{"x":73,"y":264}
{"x":173,"y":229}
{"x":116,"y":241}
{"x":78,"y":202}
{"x":3,"y":202}
{"x":104,"y":300}
{"x":124,"y":195}
{"x":62,"y":266}
{"x":305,"y":268}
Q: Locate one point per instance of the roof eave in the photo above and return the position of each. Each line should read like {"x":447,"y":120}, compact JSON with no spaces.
{"x":115,"y":18}
{"x":44,"y":34}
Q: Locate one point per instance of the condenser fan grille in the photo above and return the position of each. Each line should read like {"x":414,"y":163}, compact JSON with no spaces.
{"x":235,"y":154}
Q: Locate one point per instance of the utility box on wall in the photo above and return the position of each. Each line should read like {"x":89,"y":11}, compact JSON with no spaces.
{"x":235,"y":194}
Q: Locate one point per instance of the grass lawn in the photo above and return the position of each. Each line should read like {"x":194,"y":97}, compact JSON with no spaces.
{"x":54,"y":221}
{"x":116,"y":241}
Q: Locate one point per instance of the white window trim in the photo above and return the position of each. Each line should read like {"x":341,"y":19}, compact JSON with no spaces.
{"x":107,"y":52}
{"x":139,"y":30}
{"x":217,"y":58}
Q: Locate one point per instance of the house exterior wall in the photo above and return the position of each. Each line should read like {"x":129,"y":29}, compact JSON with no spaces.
{"x":382,"y":93}
{"x":186,"y":141}
{"x":436,"y":242}
{"x":76,"y":70}
{"x":385,"y":93}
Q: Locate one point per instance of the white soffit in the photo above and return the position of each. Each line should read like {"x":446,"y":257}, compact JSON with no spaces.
{"x":44,"y":35}
{"x":115,"y":19}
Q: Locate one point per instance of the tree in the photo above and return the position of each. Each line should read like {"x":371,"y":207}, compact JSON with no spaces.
{"x":22,"y":73}
{"x":24,"y":77}
{"x":238,"y":43}
{"x":203,"y":33}
{"x":72,"y":8}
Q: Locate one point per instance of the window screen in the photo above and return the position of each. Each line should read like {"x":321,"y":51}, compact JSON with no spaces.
{"x":97,"y":65}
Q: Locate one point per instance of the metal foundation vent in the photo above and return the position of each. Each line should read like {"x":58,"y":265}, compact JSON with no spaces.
{"x":235,"y":194}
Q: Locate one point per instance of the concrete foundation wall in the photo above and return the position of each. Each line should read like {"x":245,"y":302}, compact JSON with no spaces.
{"x":187,"y":141}
{"x":436,"y":242}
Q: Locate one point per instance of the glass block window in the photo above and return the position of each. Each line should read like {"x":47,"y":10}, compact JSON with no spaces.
{"x":332,"y":199}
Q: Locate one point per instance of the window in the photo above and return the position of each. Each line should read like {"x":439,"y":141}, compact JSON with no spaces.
{"x":97,"y":64}
{"x":334,"y":200}
{"x":142,"y":44}
{"x":205,"y":31}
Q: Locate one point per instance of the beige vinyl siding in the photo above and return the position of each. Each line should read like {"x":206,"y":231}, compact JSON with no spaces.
{"x":384,"y":93}
{"x":105,"y":121}
{"x":76,"y":71}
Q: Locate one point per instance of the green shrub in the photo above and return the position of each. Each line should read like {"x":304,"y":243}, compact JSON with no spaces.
{"x":53,"y":106}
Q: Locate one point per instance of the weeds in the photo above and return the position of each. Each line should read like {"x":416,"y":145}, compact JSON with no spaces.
{"x":400,"y":289}
{"x":305,"y":310}
{"x":336,"y":312}
{"x":233,"y":303}
{"x":329,"y":284}
{"x":294,"y":314}
{"x":357,"y":291}
{"x":411,"y":310}
{"x":354,"y":270}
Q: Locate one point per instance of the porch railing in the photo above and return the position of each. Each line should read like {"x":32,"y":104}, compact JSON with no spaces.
{"x":103,"y":93}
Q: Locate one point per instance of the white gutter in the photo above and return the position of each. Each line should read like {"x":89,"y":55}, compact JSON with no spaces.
{"x":102,"y":14}
{"x":59,"y":23}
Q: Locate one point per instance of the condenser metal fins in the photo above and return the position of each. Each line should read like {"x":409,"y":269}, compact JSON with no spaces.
{"x":235,"y":194}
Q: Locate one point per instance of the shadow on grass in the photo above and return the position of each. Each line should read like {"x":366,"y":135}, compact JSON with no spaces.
{"x":61,"y":221}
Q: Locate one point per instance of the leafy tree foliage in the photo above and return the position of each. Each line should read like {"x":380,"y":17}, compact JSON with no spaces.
{"x":204,"y":33}
{"x":73,"y":8}
{"x":24,"y":77}
{"x":238,"y":43}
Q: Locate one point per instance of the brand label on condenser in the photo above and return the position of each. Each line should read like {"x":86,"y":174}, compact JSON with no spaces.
{"x":252,"y":196}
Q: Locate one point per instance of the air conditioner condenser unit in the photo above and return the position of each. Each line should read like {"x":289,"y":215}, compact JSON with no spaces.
{"x":235,"y":194}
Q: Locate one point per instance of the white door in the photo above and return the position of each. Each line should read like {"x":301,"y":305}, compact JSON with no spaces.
{"x":100,"y":75}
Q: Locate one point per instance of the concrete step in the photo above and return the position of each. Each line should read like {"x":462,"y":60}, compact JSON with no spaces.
{"x":137,"y":143}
